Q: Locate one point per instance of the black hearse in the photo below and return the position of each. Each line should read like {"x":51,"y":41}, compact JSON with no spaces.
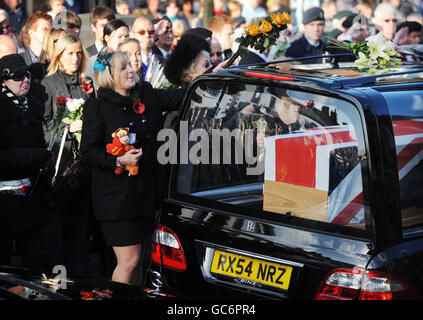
{"x":294,"y":182}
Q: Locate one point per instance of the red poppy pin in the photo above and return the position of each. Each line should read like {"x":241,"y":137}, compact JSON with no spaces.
{"x":87,"y":87}
{"x":138,"y":107}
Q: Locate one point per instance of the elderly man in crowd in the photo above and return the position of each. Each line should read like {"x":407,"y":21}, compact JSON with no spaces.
{"x":386,"y":18}
{"x":142,"y":29}
{"x":216,"y":53}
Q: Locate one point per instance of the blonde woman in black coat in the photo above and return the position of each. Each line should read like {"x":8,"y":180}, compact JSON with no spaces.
{"x":124,"y":204}
{"x":66,"y":77}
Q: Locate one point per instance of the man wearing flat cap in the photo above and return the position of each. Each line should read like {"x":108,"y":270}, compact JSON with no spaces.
{"x":310,"y":44}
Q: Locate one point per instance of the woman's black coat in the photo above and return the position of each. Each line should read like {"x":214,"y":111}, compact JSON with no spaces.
{"x":123,"y":197}
{"x":23,"y":153}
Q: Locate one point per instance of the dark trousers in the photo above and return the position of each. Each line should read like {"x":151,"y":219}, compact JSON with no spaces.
{"x":32,"y":245}
{"x":70,"y":236}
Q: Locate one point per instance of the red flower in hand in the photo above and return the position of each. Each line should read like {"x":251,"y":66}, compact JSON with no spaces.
{"x":138,"y":107}
{"x":87,"y":87}
{"x":61,"y":101}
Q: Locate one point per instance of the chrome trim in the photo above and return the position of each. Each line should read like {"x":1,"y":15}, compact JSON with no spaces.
{"x":251,"y":255}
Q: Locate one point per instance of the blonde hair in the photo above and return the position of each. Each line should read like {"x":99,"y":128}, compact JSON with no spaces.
{"x":126,"y":41}
{"x":234,"y":5}
{"x":49,"y":43}
{"x":62,"y":43}
{"x":106,"y":78}
{"x":179,"y":27}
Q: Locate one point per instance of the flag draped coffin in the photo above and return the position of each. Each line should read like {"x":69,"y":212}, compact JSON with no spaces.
{"x":409,"y":147}
{"x":314,"y":174}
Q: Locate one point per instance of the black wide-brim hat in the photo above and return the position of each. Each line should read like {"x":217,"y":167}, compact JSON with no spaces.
{"x":12,"y":63}
{"x":186,"y":51}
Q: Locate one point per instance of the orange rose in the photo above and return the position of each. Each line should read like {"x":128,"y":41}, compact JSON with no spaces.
{"x":265,"y":26}
{"x":252,"y":30}
{"x":286,"y":17}
{"x":277,"y":19}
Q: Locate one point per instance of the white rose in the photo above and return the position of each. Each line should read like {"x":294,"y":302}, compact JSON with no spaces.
{"x":70,"y":104}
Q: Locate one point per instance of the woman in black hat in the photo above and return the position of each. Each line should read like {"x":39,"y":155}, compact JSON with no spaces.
{"x":23,"y":155}
{"x":189,"y":59}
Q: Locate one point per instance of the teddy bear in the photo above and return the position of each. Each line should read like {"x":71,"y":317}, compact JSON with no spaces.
{"x":119,"y":146}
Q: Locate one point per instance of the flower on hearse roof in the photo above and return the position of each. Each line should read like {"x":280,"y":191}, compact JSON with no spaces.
{"x":262,"y":34}
{"x":376,"y":55}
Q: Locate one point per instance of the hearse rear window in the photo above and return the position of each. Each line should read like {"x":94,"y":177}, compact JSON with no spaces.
{"x":275,"y":150}
{"x":407,"y":118}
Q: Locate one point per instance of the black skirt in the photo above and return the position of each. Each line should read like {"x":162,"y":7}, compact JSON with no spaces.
{"x":127,"y":232}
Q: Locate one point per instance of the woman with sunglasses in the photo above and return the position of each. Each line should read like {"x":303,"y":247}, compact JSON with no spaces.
{"x":124,"y":204}
{"x":66,"y":78}
{"x":23,"y":158}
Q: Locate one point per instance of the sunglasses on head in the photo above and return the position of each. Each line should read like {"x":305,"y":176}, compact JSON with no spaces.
{"x":20,"y":75}
{"x":143,"y":32}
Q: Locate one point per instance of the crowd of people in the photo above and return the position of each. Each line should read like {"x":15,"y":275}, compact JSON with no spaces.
{"x":42,"y":58}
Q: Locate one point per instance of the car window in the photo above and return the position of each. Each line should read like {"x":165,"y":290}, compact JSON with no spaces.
{"x":275,"y":150}
{"x":407,"y":118}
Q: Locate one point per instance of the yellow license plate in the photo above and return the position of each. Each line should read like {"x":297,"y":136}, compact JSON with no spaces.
{"x":256,"y":270}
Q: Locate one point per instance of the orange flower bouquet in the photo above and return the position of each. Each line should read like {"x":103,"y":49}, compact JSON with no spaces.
{"x":260,"y":35}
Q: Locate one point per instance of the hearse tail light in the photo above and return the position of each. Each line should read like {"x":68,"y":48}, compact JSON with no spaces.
{"x":357,"y":284}
{"x":167,"y":249}
{"x":268,"y":76}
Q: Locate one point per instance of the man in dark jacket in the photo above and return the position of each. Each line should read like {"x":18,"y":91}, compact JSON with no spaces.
{"x":99,"y":17}
{"x":253,"y":56}
{"x":164,"y":35}
{"x":310,"y":44}
{"x":37,"y":26}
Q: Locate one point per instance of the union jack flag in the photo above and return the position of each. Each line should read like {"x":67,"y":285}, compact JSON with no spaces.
{"x":326,"y":158}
